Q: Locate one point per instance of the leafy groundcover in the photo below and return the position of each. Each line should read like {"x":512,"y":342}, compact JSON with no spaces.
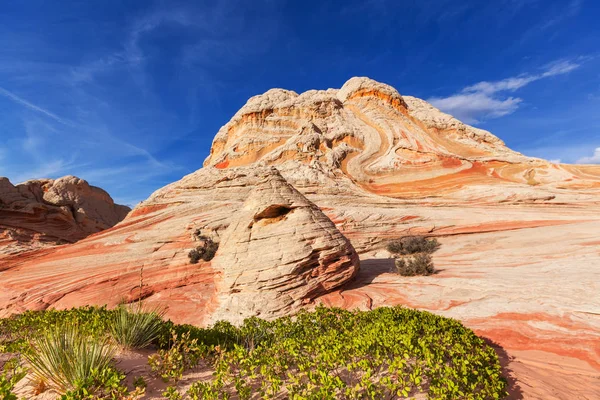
{"x":328,"y":353}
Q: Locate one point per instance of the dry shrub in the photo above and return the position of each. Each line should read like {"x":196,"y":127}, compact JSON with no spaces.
{"x":420,"y":264}
{"x":413,"y":245}
{"x":205,"y":251}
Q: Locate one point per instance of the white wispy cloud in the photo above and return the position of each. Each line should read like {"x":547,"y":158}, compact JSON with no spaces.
{"x":486,"y":100}
{"x":593,"y":159}
{"x":31,"y":106}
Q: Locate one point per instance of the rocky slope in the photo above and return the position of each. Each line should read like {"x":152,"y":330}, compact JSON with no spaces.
{"x":45,"y":212}
{"x":519,"y":261}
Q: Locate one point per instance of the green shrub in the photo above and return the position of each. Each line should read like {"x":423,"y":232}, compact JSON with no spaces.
{"x":63,"y":357}
{"x":205,"y":251}
{"x":183,"y":353}
{"x":106,"y":383}
{"x":18,"y":330}
{"x":326,"y":354}
{"x":136,"y":327}
{"x":139,"y":382}
{"x":222,"y":334}
{"x":12,"y":372}
{"x":171,"y":393}
{"x":413,"y":245}
{"x":419,"y":264}
{"x":333,"y":354}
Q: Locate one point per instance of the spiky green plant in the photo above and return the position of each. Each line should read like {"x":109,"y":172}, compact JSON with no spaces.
{"x":135,"y":326}
{"x":63,"y":356}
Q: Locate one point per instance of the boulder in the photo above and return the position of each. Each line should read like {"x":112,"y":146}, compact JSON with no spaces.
{"x":279,"y":252}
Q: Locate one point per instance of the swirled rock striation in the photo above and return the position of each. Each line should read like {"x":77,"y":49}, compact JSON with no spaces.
{"x":278,"y":254}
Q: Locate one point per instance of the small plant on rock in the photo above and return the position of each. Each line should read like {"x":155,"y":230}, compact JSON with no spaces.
{"x":413,"y":255}
{"x":205,"y":251}
{"x":413,"y":245}
{"x":420,"y":264}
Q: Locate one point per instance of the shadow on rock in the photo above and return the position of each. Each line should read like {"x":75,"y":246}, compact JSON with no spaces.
{"x":372,"y":268}
{"x":369,"y":270}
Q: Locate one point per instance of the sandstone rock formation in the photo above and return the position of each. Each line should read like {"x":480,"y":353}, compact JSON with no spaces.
{"x":46,"y":211}
{"x":519,"y":260}
{"x":386,"y":144}
{"x":278,"y":254}
{"x":157,"y":236}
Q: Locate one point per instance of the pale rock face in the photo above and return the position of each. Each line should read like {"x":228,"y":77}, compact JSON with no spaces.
{"x":361,"y":86}
{"x":278,"y":254}
{"x":44,"y":211}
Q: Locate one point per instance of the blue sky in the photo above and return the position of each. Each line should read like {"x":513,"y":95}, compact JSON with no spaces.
{"x":129,"y":94}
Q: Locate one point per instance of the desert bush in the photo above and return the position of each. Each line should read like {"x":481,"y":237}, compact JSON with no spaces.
{"x":136,"y":327}
{"x":182,"y":354}
{"x":139,"y":382}
{"x":333,"y":353}
{"x":69,"y":351}
{"x":171,"y":393}
{"x":18,"y":331}
{"x":106,"y":383}
{"x":413,"y":245}
{"x":222,"y":334}
{"x":419,"y":264}
{"x":64,"y":358}
{"x":12,"y":372}
{"x":325,"y":354}
{"x":205,"y":251}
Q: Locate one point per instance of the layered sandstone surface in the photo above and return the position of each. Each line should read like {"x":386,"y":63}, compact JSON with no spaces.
{"x":278,"y":254}
{"x":43,"y":212}
{"x":520,"y":257}
{"x":387,"y":144}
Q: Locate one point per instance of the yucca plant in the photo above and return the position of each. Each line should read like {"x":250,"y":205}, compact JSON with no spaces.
{"x":136,"y":327}
{"x":63,"y":356}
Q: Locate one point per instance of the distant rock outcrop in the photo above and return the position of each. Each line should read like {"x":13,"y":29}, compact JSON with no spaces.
{"x":279,"y":252}
{"x":44,"y":212}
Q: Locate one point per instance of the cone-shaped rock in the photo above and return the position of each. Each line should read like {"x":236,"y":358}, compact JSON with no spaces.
{"x":279,"y":252}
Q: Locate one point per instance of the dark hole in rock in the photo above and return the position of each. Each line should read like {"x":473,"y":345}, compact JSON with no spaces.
{"x":273,"y":211}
